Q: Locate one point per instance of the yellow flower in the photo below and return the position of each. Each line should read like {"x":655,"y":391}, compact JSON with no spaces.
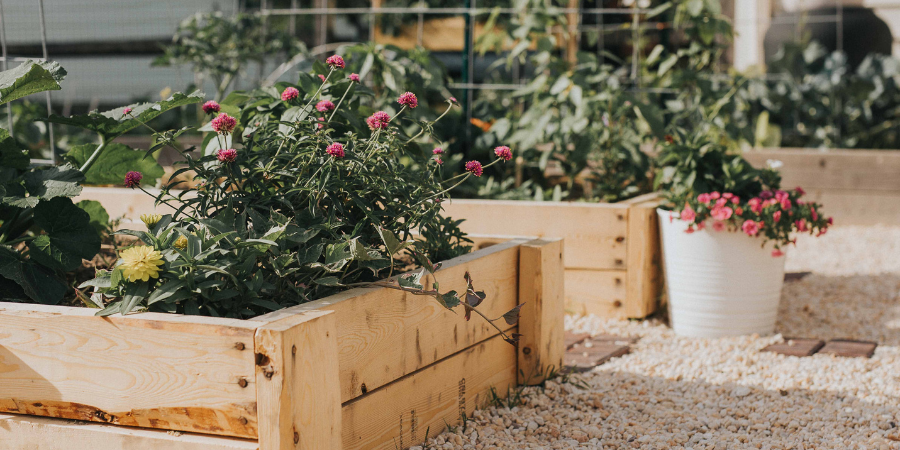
{"x":140,"y":262}
{"x":150,"y":219}
{"x":180,"y":243}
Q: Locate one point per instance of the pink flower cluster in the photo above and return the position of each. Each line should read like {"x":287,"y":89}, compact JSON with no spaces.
{"x":335,"y":61}
{"x":223,"y":123}
{"x":289,"y":94}
{"x":226,"y":155}
{"x":133,"y":179}
{"x":773,"y":214}
{"x":324,"y":106}
{"x":126,"y":111}
{"x":503,"y":152}
{"x":336,"y":150}
{"x":211,"y":107}
{"x":474,"y":167}
{"x":378,"y":120}
{"x":408,"y":99}
{"x":354,"y":77}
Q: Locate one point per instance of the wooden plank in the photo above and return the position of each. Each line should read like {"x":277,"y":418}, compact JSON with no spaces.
{"x":542,"y":317}
{"x":595,"y":232}
{"x":19,"y":432}
{"x":397,"y":416}
{"x":843,"y":170}
{"x":795,"y":347}
{"x":644,"y":284}
{"x":297,"y":383}
{"x":849,"y":348}
{"x":599,"y":292}
{"x":146,"y":370}
{"x":384,"y":334}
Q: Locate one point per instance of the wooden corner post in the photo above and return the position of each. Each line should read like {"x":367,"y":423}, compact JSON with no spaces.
{"x":541,"y":322}
{"x":644,"y":278}
{"x":297,"y":383}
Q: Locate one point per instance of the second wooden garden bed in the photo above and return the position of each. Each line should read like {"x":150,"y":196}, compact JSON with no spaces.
{"x":370,"y":368}
{"x":612,"y":265}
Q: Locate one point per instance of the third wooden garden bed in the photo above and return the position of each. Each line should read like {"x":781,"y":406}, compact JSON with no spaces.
{"x":370,"y":368}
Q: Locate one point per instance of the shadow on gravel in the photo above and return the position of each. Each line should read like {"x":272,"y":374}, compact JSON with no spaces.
{"x":863,"y":307}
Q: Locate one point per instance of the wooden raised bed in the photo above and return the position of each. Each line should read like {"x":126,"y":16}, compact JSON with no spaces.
{"x":369,"y":368}
{"x":856,"y":187}
{"x":612,"y":263}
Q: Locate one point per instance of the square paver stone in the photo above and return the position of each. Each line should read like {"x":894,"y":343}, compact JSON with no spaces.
{"x":574,"y":338}
{"x":849,"y":348}
{"x":581,"y":358}
{"x":796,"y":347}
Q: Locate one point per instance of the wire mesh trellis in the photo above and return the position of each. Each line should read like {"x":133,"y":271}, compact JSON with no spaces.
{"x":589,"y":17}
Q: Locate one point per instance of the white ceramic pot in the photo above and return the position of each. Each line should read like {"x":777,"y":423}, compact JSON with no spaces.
{"x":720,"y":283}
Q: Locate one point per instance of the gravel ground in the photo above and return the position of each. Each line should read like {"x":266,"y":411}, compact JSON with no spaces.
{"x":683,"y":393}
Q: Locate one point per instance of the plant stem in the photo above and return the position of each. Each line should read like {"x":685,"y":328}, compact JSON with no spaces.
{"x":435,"y":121}
{"x":339,"y":102}
{"x":93,"y":158}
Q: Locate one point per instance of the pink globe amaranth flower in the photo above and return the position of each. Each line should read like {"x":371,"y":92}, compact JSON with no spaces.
{"x":408,"y":99}
{"x":211,"y":107}
{"x":735,"y":200}
{"x":776,"y":216}
{"x":688,"y":214}
{"x":324,"y":106}
{"x":319,"y":125}
{"x":751,"y":227}
{"x":503,"y":152}
{"x":335,"y":61}
{"x":474,"y":167}
{"x":133,"y":179}
{"x":354,"y":77}
{"x":786,"y":204}
{"x":814,"y":213}
{"x":801,"y":225}
{"x":322,"y":77}
{"x":439,"y":161}
{"x":776,"y":253}
{"x":722,"y":212}
{"x":289,"y":94}
{"x":437,"y":151}
{"x":336,"y":150}
{"x":226,"y":155}
{"x":718,"y":226}
{"x":453,"y":100}
{"x":765,"y":195}
{"x":223,"y":123}
{"x":738,"y":210}
{"x":721,"y":202}
{"x":727,"y":195}
{"x":800,"y":192}
{"x":126,"y":111}
{"x":378,"y":120}
{"x":714,"y":196}
{"x":703,"y":198}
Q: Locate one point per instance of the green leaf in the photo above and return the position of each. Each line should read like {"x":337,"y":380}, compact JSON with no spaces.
{"x":412,"y":280}
{"x":114,"y":162}
{"x":30,"y":78}
{"x":70,"y":236}
{"x":56,"y":181}
{"x":135,"y":293}
{"x":391,"y":243}
{"x":449,"y":300}
{"x":39,"y":283}
{"x":10,"y":153}
{"x":328,"y":281}
{"x":114,"y":123}
{"x":165,"y":291}
{"x":97,"y":213}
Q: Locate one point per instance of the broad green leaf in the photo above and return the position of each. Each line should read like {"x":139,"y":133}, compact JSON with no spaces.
{"x":114,"y":162}
{"x":39,"y":283}
{"x":135,"y":293}
{"x":114,"y":123}
{"x":70,"y":236}
{"x":449,"y":300}
{"x":56,"y":181}
{"x":97,"y":213}
{"x":165,"y":291}
{"x":10,"y":153}
{"x":391,"y":243}
{"x":30,"y":78}
{"x":328,"y":281}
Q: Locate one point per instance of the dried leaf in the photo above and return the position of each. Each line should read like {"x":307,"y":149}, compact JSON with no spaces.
{"x":512,"y":316}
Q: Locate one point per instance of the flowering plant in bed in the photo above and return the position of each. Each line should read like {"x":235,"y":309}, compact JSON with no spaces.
{"x":303,"y":191}
{"x":724,"y":229}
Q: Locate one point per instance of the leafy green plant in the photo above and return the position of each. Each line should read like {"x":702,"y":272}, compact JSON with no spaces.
{"x":43,"y":234}
{"x":220,"y":47}
{"x":305,"y":193}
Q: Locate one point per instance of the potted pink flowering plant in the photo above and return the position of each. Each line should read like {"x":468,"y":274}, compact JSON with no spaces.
{"x":725,"y":227}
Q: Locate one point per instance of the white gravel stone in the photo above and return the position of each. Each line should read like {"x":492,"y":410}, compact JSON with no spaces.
{"x":683,"y":393}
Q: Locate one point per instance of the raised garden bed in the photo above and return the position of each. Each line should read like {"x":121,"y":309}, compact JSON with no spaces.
{"x":365,"y":369}
{"x":857,"y":187}
{"x":612,"y":263}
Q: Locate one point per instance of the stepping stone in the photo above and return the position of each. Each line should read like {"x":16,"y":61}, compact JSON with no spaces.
{"x":796,"y":347}
{"x":574,"y":338}
{"x":849,"y":348}
{"x":582,"y":358}
{"x":795,"y":276}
